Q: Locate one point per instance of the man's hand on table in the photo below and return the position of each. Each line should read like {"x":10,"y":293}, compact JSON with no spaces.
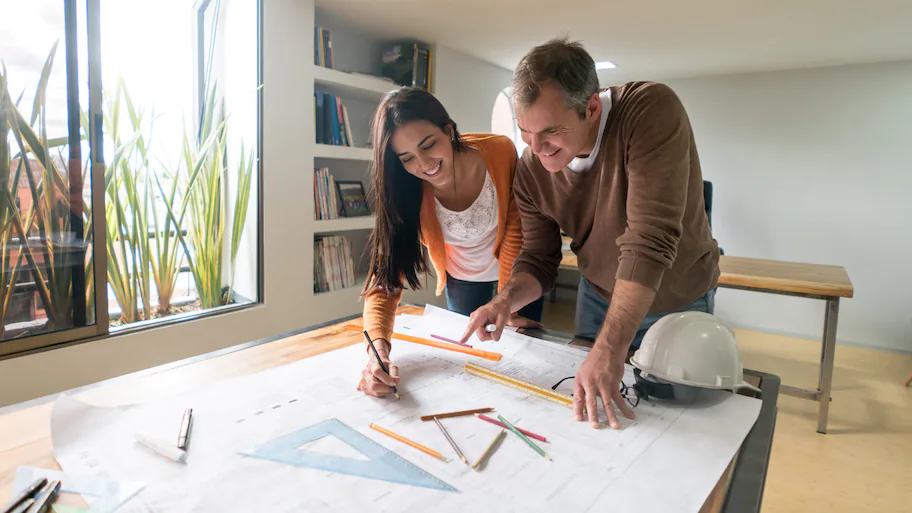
{"x":600,"y":377}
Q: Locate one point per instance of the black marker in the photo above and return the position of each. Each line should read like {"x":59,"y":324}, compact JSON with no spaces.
{"x":25,"y":495}
{"x":44,"y":499}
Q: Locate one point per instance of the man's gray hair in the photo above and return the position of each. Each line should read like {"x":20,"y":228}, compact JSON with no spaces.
{"x":559,"y":61}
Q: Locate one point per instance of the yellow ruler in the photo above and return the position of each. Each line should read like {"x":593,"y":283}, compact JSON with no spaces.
{"x":518,"y":384}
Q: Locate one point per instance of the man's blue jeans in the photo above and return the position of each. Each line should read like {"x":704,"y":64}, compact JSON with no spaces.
{"x":465,"y":297}
{"x":591,"y":310}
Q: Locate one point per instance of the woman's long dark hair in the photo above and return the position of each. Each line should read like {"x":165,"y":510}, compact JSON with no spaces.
{"x":396,"y":255}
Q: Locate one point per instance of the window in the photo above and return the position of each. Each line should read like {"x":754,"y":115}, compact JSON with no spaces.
{"x":183,"y":155}
{"x":503,"y":120}
{"x":49,"y":189}
{"x":165,"y":101}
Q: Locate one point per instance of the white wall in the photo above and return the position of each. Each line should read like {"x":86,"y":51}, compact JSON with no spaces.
{"x":467,"y":87}
{"x":814,"y":166}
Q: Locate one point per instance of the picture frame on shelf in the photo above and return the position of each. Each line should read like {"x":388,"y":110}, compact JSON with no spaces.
{"x":353,"y":198}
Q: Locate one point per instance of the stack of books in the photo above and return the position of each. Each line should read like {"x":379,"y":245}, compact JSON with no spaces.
{"x":408,"y":64}
{"x":333,"y":265}
{"x":332,"y":120}
{"x":326,"y":201}
{"x":323,"y":52}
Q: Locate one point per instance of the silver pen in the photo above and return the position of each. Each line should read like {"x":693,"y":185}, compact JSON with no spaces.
{"x":184,"y":437}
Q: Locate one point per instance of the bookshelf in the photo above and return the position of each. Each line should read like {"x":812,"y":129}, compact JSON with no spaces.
{"x":354,"y":81}
{"x":351,"y":85}
{"x":344,"y":224}
{"x":328,"y":151}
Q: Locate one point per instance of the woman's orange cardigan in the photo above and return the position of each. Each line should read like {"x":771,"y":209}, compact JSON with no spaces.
{"x":499,"y":156}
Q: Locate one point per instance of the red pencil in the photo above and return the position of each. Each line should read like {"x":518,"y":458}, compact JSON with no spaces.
{"x":523,"y":431}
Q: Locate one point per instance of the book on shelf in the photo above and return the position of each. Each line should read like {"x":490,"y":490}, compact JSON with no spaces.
{"x":333,"y":265}
{"x":323,"y":55}
{"x":408,"y":64}
{"x":326,"y":199}
{"x":331,"y":119}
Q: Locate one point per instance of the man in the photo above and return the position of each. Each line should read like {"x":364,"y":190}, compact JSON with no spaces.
{"x":618,"y":171}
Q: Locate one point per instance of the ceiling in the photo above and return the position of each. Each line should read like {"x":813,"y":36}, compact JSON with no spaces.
{"x":650,"y":39}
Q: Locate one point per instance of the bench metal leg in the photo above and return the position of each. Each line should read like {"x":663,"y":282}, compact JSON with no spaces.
{"x":827,"y":356}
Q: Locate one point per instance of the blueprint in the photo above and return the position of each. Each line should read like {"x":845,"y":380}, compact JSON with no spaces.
{"x":668,"y":459}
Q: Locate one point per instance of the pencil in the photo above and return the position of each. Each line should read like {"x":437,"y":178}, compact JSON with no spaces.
{"x":406,"y":441}
{"x":490,"y":450}
{"x":501,"y":424}
{"x":525,"y":439}
{"x":455,"y":414}
{"x":374,"y":349}
{"x":451,"y":441}
{"x":451,"y":341}
{"x":487,"y":355}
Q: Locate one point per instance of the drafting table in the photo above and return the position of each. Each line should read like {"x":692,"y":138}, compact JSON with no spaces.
{"x":25,"y":427}
{"x":827,"y":283}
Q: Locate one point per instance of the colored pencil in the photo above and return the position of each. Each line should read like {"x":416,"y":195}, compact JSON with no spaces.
{"x":455,"y":414}
{"x":487,"y":355}
{"x":490,"y":450}
{"x":451,"y":341}
{"x":451,"y":441}
{"x":524,"y":438}
{"x":406,"y":441}
{"x":501,"y":424}
{"x":374,"y":349}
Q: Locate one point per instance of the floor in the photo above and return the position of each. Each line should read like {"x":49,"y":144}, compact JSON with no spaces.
{"x":864,"y":463}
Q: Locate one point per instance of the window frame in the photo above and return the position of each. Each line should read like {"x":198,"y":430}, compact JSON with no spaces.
{"x":82,"y":328}
{"x":101,"y":328}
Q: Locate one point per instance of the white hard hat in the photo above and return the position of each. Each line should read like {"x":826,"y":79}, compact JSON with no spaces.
{"x":691,"y":348}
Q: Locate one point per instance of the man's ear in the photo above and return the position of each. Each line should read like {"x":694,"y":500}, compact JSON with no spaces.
{"x":594,"y":107}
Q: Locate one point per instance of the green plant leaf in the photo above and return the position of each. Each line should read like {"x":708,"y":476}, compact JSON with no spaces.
{"x":38,"y":104}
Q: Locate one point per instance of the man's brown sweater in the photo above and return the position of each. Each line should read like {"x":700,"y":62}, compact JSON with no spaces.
{"x":637,"y":214}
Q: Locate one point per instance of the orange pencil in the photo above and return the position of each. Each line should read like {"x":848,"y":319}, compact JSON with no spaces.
{"x":406,"y":441}
{"x":487,"y":355}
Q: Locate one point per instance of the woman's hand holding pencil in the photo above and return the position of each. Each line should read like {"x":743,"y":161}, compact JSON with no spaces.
{"x":374,"y":379}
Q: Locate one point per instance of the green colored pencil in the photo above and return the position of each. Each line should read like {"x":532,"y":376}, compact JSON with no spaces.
{"x":516,"y":432}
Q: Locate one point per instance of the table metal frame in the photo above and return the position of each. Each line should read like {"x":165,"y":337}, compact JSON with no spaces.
{"x":823,"y":394}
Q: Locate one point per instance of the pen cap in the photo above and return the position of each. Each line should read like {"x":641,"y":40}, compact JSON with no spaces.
{"x":161,"y":447}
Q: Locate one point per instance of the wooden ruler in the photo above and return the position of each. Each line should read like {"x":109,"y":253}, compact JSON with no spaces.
{"x":518,"y":384}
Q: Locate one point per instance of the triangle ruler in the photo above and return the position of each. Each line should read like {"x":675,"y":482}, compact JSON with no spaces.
{"x":382,"y":463}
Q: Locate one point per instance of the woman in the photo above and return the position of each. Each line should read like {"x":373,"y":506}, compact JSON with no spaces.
{"x":451,"y":193}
